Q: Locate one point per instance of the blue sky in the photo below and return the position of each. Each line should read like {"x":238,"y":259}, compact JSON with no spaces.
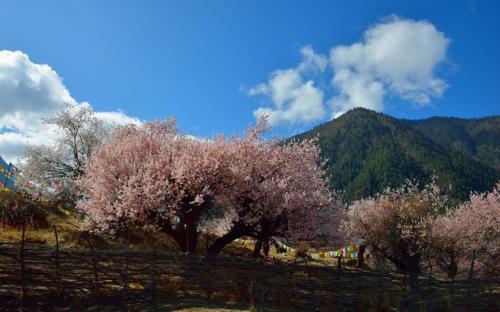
{"x":200,"y":60}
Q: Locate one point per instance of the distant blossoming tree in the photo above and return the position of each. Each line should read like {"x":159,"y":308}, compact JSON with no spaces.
{"x":397,"y":223}
{"x":469,"y":236}
{"x":447,"y":247}
{"x":79,"y":132}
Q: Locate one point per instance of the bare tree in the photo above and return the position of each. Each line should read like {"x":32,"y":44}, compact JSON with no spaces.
{"x":78,"y":132}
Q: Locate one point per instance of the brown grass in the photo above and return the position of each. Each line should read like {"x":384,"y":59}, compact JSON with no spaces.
{"x":276,"y":284}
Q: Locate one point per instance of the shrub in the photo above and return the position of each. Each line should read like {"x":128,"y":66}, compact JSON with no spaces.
{"x":17,"y":209}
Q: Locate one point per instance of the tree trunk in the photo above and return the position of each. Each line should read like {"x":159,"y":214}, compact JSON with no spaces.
{"x":407,"y":263}
{"x":452,"y":268}
{"x":471,"y":276}
{"x":227,"y":238}
{"x":191,"y":234}
{"x":472,"y":263}
{"x":258,"y":247}
{"x":361,"y":257}
{"x":263,"y":238}
{"x":266,"y":248}
{"x":414,"y":267}
{"x":185,"y":233}
{"x":176,"y":235}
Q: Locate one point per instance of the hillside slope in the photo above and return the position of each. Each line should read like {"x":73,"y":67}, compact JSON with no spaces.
{"x":476,"y":138}
{"x":368,"y":151}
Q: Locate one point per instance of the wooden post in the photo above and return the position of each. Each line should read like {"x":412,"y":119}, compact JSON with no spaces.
{"x":125,"y":275}
{"x":207,"y":242}
{"x":430,"y":281}
{"x":154,"y":284}
{"x":381,"y":277}
{"x":23,"y":289}
{"x":94,"y":266}
{"x":56,"y":259}
{"x":154,"y":278}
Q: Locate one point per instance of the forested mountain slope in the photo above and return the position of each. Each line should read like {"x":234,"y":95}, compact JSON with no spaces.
{"x":368,"y":151}
{"x":476,"y":138}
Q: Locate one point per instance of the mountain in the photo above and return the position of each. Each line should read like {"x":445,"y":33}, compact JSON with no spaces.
{"x":476,"y":138}
{"x":368,"y":151}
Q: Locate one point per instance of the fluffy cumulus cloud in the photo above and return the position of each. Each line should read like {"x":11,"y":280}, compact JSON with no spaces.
{"x":294,"y":98}
{"x":395,"y":58}
{"x":28,"y":93}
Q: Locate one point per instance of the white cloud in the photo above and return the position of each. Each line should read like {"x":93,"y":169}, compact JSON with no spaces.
{"x":117,"y":118}
{"x":397,"y":57}
{"x":356,"y":91}
{"x":12,"y":145}
{"x":312,"y":61}
{"x":294,"y":98}
{"x":29,"y":92}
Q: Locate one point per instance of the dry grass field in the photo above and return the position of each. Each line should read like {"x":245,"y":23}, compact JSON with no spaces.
{"x":42,"y":277}
{"x":79,"y":272}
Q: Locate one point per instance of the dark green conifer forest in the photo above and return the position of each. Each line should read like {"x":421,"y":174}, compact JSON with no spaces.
{"x":368,"y":151}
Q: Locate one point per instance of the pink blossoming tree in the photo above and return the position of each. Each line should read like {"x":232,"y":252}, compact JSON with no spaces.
{"x":397,"y":223}
{"x":277,"y":190}
{"x":448,"y":249}
{"x":152,"y":176}
{"x":469,"y":236}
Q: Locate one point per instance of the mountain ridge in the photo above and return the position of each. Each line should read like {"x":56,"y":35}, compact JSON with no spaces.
{"x":367,"y":151}
{"x":476,"y":137}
